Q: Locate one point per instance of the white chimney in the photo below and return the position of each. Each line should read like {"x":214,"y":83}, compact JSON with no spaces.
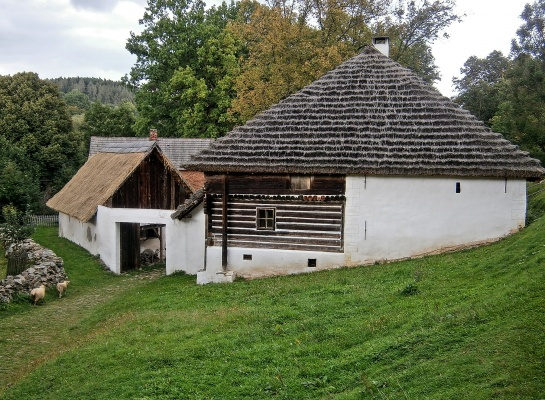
{"x":382,"y":44}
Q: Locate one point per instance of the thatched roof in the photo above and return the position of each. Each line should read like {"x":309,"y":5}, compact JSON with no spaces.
{"x":178,"y":150}
{"x":370,"y":115}
{"x":101,"y":176}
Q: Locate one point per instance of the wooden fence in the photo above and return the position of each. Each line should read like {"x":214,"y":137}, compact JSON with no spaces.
{"x":44,"y":220}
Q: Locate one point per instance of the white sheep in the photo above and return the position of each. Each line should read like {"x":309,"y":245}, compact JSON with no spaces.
{"x":61,"y":287}
{"x":37,"y":294}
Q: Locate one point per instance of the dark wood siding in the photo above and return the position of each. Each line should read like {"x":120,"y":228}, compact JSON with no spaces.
{"x":300,"y":225}
{"x":152,"y":186}
{"x":275,"y":184}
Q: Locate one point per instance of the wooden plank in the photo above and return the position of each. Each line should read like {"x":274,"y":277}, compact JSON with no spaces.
{"x":264,"y":233}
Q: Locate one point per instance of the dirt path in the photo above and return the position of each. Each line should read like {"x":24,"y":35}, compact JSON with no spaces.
{"x":51,"y":329}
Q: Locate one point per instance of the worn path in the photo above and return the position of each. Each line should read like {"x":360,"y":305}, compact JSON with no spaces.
{"x":51,"y":329}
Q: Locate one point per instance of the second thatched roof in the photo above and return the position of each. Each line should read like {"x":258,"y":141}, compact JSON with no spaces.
{"x":370,"y":115}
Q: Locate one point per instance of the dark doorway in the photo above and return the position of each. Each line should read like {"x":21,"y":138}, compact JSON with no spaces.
{"x":129,"y":235}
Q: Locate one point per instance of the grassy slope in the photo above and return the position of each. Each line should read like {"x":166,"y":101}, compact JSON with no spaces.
{"x":474,"y":331}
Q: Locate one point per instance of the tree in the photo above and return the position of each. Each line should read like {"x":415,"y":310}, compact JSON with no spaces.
{"x":78,"y":102}
{"x":184,"y":68}
{"x":521,"y":113}
{"x":284,"y":55}
{"x":34,"y":119}
{"x":105,"y":120}
{"x":531,"y":35}
{"x":412,"y":27}
{"x":13,"y":231}
{"x":479,"y":87}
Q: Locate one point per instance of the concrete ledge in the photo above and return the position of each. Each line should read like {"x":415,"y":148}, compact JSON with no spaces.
{"x":205,"y":277}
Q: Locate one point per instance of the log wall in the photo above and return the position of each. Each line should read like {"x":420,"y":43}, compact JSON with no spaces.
{"x":307,"y":219}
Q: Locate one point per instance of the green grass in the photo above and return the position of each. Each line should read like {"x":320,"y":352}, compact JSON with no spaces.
{"x":464,"y":325}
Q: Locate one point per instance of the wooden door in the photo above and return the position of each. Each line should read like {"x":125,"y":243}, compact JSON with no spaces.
{"x":130,"y":245}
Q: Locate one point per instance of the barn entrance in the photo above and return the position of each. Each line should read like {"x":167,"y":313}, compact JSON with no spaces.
{"x":140,"y":245}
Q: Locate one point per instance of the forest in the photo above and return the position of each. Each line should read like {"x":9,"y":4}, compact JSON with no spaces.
{"x":200,"y":71}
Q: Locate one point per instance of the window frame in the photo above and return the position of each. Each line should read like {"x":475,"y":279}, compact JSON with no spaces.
{"x":266,"y":218}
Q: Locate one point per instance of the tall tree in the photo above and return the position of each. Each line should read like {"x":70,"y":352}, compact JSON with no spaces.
{"x":105,"y":120}
{"x":283,"y":56}
{"x":290,"y":43}
{"x":479,"y":87}
{"x":35,"y":119}
{"x":184,"y":68}
{"x":521,"y":114}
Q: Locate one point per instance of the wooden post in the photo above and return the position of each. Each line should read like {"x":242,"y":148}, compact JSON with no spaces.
{"x":224,"y":201}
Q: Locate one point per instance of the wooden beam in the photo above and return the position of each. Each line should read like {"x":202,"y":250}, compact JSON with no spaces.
{"x":224,"y":207}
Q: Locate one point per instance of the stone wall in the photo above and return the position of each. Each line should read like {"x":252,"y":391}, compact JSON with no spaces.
{"x":45,"y":268}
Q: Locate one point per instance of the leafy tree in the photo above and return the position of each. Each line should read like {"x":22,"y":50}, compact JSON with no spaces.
{"x":34,"y":119}
{"x":412,"y":27}
{"x":13,"y":231}
{"x":521,"y":113}
{"x":284,"y":56}
{"x":78,"y":102}
{"x":184,"y":69}
{"x":105,"y":120}
{"x":531,"y":35}
{"x":479,"y":87}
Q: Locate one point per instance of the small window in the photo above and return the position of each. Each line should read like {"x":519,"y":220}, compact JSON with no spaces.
{"x":265,"y":218}
{"x":312,"y":263}
{"x":300,"y":182}
{"x":247,"y":257}
{"x":458,"y":188}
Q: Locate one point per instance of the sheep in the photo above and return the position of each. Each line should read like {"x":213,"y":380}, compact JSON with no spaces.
{"x":37,"y":294}
{"x":61,"y":287}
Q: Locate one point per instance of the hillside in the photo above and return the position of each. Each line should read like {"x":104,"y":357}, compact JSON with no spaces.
{"x":464,"y":325}
{"x":97,"y":89}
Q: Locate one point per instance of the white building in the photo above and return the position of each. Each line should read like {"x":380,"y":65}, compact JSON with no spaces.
{"x":366,"y":164}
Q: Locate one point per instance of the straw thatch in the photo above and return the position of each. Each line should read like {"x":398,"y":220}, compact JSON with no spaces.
{"x":94,"y":183}
{"x":368,"y":116}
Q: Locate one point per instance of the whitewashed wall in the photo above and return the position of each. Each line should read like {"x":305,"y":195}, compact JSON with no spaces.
{"x":81,"y":233}
{"x":184,"y":238}
{"x":270,"y":262}
{"x":390,"y":218}
{"x":187,"y":243}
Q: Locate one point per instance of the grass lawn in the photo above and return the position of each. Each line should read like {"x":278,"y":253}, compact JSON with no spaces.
{"x":464,"y":325}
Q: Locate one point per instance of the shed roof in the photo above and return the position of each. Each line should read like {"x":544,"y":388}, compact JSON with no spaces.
{"x":94,"y":183}
{"x":178,"y":150}
{"x":370,"y":115}
{"x":102,"y":175}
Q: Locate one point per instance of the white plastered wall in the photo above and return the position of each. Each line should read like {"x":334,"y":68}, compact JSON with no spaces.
{"x":82,"y":233}
{"x":184,"y":238}
{"x":252,"y":263}
{"x":390,"y":218}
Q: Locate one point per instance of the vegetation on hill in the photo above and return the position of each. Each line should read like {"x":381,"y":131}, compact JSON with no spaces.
{"x":104,"y":91}
{"x":463,"y":325}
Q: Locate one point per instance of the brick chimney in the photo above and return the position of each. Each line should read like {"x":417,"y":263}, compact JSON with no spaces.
{"x":382,"y":44}
{"x":153,"y":134}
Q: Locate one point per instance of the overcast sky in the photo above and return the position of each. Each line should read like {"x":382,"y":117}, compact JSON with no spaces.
{"x":87,"y":38}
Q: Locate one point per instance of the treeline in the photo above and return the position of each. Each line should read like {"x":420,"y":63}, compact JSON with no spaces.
{"x":508,"y":92}
{"x":102,"y":90}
